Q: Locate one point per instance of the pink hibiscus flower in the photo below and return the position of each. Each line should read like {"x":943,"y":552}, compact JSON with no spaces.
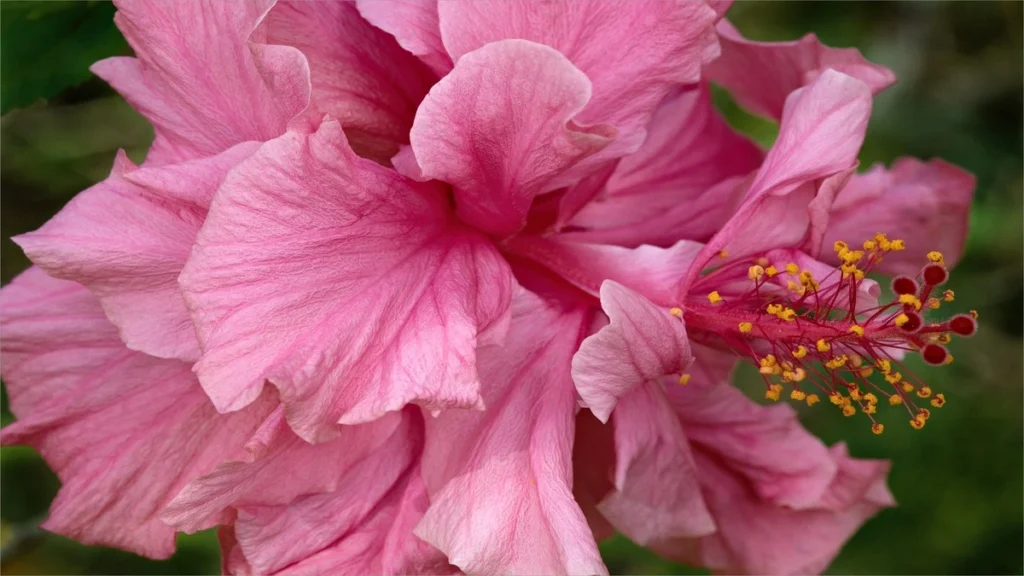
{"x":438,"y":229}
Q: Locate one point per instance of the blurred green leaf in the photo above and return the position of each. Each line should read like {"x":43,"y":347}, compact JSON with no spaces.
{"x":46,"y":47}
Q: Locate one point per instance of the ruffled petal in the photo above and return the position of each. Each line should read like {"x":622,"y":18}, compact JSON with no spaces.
{"x":499,"y":129}
{"x":671,"y":187}
{"x":124,"y":431}
{"x":127,"y":239}
{"x":202,"y":77}
{"x":500,"y":481}
{"x":656,"y":494}
{"x":634,"y":52}
{"x":926,"y":204}
{"x":787,"y":203}
{"x":642,"y":342}
{"x":360,"y":75}
{"x":760,"y":75}
{"x":414,"y":23}
{"x":276,"y":468}
{"x":345,"y":285}
{"x":757,"y":537}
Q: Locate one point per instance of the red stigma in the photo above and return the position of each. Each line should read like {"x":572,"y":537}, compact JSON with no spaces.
{"x":963,"y":325}
{"x":904,"y":285}
{"x":935,"y":274}
{"x":934,"y":354}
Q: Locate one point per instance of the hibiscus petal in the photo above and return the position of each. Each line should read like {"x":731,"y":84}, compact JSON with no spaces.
{"x":342,"y":283}
{"x":127,"y":239}
{"x":667,"y":189}
{"x":197,"y":80}
{"x":756,"y":537}
{"x":414,"y":23}
{"x":498,"y":128}
{"x":926,"y":204}
{"x":760,"y":75}
{"x":501,"y":481}
{"x":766,"y":445}
{"x":821,"y":132}
{"x":276,"y":468}
{"x":349,"y":60}
{"x":634,"y":52}
{"x":364,"y":525}
{"x":642,"y":342}
{"x":657,"y":496}
{"x":124,"y":431}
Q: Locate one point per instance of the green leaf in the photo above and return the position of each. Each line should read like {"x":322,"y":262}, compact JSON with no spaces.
{"x":46,"y":47}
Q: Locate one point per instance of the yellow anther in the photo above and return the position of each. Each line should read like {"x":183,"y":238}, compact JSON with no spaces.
{"x":792,"y":268}
{"x":939,"y":401}
{"x":974,"y":314}
{"x":771,"y":395}
{"x":774,"y":309}
{"x":866,"y":371}
{"x":924,"y":413}
{"x":917,"y":422}
{"x":768,"y":360}
{"x":788,"y":315}
{"x":755,"y":272}
{"x":836,"y":398}
{"x":787,"y":376}
{"x":883,"y":242}
{"x":910,"y":299}
{"x":901,"y":319}
{"x":871,"y":398}
{"x":877,"y":428}
{"x":858,"y":330}
{"x":800,"y":352}
{"x":851,"y":256}
{"x":849,"y":410}
{"x":849,"y":270}
{"x":795,"y":288}
{"x":837,"y":362}
{"x":799,"y":374}
{"x":839,"y":246}
{"x":884,"y":366}
{"x":949,"y":359}
{"x":869,"y":409}
{"x":714,"y":297}
{"x":677,"y":312}
{"x":822,"y":345}
{"x":933,"y":303}
{"x":771,"y":271}
{"x":723,"y":254}
{"x":897,"y":245}
{"x":684,"y":379}
{"x":763,"y":262}
{"x":797,"y":395}
{"x":924,"y":392}
{"x":870,"y":245}
{"x":948,"y":295}
{"x":936,"y":257}
{"x":856,"y":394}
{"x":895,"y":400}
{"x":745,"y":327}
{"x":812,"y":399}
{"x":943,"y":338}
{"x":806,"y":276}
{"x":893,"y":378}
{"x":856,"y":361}
{"x":786,"y":365}
{"x":908,"y":387}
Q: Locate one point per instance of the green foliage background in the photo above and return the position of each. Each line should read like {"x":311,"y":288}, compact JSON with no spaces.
{"x":959,"y":482}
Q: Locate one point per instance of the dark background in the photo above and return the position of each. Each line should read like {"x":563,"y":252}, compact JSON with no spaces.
{"x":960,"y":482}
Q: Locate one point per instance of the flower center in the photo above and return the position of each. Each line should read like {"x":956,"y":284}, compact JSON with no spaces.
{"x":828,"y":335}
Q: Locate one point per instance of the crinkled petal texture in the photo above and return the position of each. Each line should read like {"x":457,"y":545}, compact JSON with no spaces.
{"x":347,"y":286}
{"x":634,"y":52}
{"x":498,"y":128}
{"x":414,"y":24}
{"x":926,"y":204}
{"x":642,"y":342}
{"x":782,"y":502}
{"x":684,"y":182}
{"x":360,"y":75}
{"x":124,"y":431}
{"x":788,"y":200}
{"x":761,"y":75}
{"x":500,"y":481}
{"x":346,"y":506}
{"x":127,"y":239}
{"x":203,"y":76}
